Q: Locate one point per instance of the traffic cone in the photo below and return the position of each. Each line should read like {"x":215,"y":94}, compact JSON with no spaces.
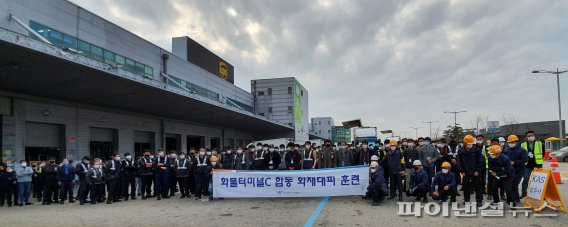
{"x":555,"y":173}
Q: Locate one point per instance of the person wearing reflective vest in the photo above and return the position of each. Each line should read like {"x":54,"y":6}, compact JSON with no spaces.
{"x":202,"y":166}
{"x":534,"y":150}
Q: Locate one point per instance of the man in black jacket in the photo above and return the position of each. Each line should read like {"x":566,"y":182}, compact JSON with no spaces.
{"x":129,"y":168}
{"x":162,"y":170}
{"x":146,"y":171}
{"x":112,"y":172}
{"x":81,"y":170}
{"x":470,"y":164}
{"x":50,"y":181}
{"x":181,"y":167}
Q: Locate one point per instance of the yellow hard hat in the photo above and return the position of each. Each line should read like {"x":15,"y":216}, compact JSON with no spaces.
{"x":213,"y":159}
{"x":392,"y":143}
{"x":495,"y":149}
{"x":512,"y":138}
{"x":446,"y":165}
{"x":468,"y":139}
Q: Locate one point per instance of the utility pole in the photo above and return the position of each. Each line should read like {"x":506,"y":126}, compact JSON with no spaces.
{"x":430,"y":122}
{"x":416,"y":128}
{"x":455,"y":115}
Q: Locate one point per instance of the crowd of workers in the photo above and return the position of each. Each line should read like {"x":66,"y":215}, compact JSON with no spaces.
{"x":419,"y":168}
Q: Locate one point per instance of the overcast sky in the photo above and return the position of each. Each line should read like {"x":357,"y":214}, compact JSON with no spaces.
{"x":391,"y":63}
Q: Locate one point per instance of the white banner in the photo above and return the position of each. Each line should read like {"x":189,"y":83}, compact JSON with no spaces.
{"x":291,"y":183}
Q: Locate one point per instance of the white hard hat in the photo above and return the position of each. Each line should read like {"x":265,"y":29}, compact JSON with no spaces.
{"x":374,"y":158}
{"x":416,"y":163}
{"x":501,"y":139}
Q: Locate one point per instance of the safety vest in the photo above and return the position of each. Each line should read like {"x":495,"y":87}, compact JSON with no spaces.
{"x":537,"y":151}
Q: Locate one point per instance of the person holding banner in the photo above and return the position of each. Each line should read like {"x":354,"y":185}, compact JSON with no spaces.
{"x":228,"y":159}
{"x":309,"y":156}
{"x":501,"y":170}
{"x":293,"y":158}
{"x":272,"y":159}
{"x":377,"y":189}
{"x":327,"y":156}
{"x":258,"y":163}
{"x":250,"y":154}
{"x":282,"y":153}
{"x":344,"y":156}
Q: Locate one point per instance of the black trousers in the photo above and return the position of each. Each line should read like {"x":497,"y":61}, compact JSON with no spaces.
{"x":51,"y":190}
{"x":66,"y":190}
{"x":173,"y":183}
{"x":396,"y":183}
{"x":114,"y":190}
{"x":191,"y":182}
{"x":6,"y":192}
{"x":146,"y":184}
{"x":450,"y":192}
{"x":38,"y":189}
{"x":377,"y":192}
{"x":471,"y":184}
{"x":419,"y":192}
{"x":183,"y":185}
{"x":83,"y":191}
{"x":202,"y":184}
{"x":128,"y":180}
{"x":95,"y":195}
{"x":505,"y":183}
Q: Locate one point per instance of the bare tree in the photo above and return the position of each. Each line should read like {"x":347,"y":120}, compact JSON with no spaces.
{"x":437,"y":132}
{"x":512,"y":123}
{"x":479,"y":121}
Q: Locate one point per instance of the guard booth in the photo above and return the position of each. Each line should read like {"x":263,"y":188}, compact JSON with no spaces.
{"x":552,"y":144}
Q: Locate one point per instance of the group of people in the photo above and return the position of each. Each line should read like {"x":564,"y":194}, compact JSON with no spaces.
{"x":499,"y":167}
{"x":420,"y":168}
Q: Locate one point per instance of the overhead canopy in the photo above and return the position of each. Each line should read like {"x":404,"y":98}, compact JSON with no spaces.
{"x":31,"y":72}
{"x":553,"y":139}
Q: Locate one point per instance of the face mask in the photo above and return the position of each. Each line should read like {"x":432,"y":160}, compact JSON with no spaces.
{"x":387,"y":145}
{"x":9,"y":170}
{"x":23,"y":164}
{"x":393,"y":148}
{"x":239,"y":151}
{"x":95,"y":166}
{"x":469,"y":146}
{"x":381,"y":147}
{"x":440,"y":145}
{"x":65,"y":163}
{"x":511,"y":145}
{"x":265,"y":148}
{"x":365,"y":146}
{"x":371,"y":147}
{"x":208,"y":153}
{"x":271,"y":149}
{"x":425,"y":143}
{"x":493,"y":156}
{"x":151,"y":156}
{"x":479,"y":141}
{"x":86,"y":161}
{"x":229,"y":151}
{"x":502,"y":144}
{"x":129,"y":157}
{"x":404,"y":143}
{"x":42,"y":164}
{"x":252,"y":150}
{"x":117,"y":158}
{"x":411,"y":145}
{"x":173,"y":156}
{"x":214,"y":152}
{"x":373,"y":170}
{"x":444,"y":170}
{"x":307,"y":146}
{"x":530,"y":138}
{"x":182,"y":156}
{"x":202,"y":153}
{"x":258,"y":147}
{"x":161,"y":154}
{"x":213,"y":163}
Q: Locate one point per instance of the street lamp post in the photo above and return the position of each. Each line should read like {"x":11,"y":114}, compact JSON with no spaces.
{"x":416,"y":128}
{"x":455,"y":115}
{"x":430,"y":122}
{"x":561,"y":134}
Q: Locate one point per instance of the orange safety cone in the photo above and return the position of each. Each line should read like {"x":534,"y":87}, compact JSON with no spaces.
{"x":555,"y":173}
{"x":547,"y":155}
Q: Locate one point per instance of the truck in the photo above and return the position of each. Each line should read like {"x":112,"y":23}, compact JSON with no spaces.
{"x":365,"y":133}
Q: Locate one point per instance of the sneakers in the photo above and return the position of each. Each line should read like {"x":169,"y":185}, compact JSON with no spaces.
{"x":376,"y":204}
{"x":159,"y":197}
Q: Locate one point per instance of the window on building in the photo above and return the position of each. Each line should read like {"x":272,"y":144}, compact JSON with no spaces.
{"x":96,"y":52}
{"x":130,"y":65}
{"x":109,"y":57}
{"x":149,"y":71}
{"x":261,"y":93}
{"x":139,"y":69}
{"x":85,"y":48}
{"x":261,"y":114}
{"x":289,"y":90}
{"x":69,"y":42}
{"x":269,"y":91}
{"x":328,"y":131}
{"x":290,"y":109}
{"x":301,"y":92}
{"x":269,"y":109}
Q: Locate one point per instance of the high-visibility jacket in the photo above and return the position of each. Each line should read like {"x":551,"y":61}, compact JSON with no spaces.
{"x":537,"y":150}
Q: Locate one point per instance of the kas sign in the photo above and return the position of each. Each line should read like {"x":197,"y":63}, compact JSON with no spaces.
{"x":290,"y":183}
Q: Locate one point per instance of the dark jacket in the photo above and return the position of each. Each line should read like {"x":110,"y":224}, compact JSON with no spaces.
{"x":129,"y":167}
{"x":81,"y":170}
{"x":241,"y":162}
{"x":345,"y":158}
{"x":363,"y":157}
{"x":419,"y":180}
{"x":378,"y":179}
{"x":49,"y":173}
{"x":202,"y":165}
{"x":95,"y":176}
{"x":273,"y":157}
{"x":182,"y":167}
{"x":442,"y":180}
{"x":502,"y":166}
{"x":470,"y":161}
{"x":7,"y":179}
{"x":519,"y":156}
{"x":164,"y":162}
{"x":393,"y":162}
{"x":229,"y":161}
{"x":143,"y":168}
{"x":66,"y":173}
{"x":293,"y":160}
{"x":112,"y":170}
{"x":410,"y":154}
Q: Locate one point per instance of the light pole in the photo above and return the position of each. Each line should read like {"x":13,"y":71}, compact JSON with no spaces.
{"x":430,"y":122}
{"x":416,"y":128}
{"x":455,"y":115}
{"x":404,"y":134}
{"x":561,"y":135}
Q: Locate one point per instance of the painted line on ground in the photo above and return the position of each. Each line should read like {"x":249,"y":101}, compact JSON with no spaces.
{"x":316,"y":212}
